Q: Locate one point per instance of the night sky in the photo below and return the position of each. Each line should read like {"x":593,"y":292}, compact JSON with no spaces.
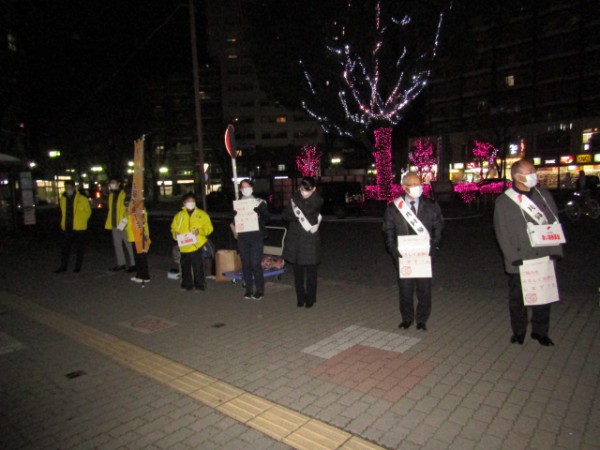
{"x":83,"y":57}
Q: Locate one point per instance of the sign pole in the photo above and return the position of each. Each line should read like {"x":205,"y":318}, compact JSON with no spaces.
{"x":231,"y":149}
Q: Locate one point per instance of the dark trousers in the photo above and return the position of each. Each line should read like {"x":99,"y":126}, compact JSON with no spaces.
{"x":540,"y":314}
{"x":407,"y":289}
{"x":141,"y":264}
{"x":192,"y":270}
{"x":251,"y":253}
{"x":305,"y":278}
{"x":72,"y":240}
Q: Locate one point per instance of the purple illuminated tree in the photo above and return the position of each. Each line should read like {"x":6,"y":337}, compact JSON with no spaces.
{"x":422,"y":155}
{"x":308,"y":160}
{"x":384,"y":67}
{"x":482,"y":152}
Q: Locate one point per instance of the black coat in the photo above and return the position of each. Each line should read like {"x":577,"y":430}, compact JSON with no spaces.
{"x":394,"y":224}
{"x":300,"y":246}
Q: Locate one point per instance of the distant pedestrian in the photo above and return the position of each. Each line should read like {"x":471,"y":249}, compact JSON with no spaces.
{"x":302,"y":246}
{"x":116,"y":221}
{"x":412,"y":214}
{"x":513,"y":211}
{"x":190,"y":228}
{"x":581,"y":181}
{"x":141,"y":258}
{"x":75,"y":213}
{"x":251,"y":244}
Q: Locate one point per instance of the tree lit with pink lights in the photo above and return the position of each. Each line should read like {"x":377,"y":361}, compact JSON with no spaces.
{"x":383,"y":57}
{"x":308,"y":161}
{"x":421,"y":156}
{"x":484,"y":152}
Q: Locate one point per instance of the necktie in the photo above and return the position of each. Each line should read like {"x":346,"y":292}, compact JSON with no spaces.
{"x":412,"y":207}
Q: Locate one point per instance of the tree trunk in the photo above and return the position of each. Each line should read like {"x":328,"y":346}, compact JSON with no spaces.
{"x":383,"y":162}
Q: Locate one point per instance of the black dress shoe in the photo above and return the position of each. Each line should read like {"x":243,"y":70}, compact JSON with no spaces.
{"x":421,"y":326}
{"x":131,"y":269}
{"x":310,"y":305}
{"x":300,"y":305}
{"x":404,"y":325}
{"x":60,"y":270}
{"x":543,"y":340}
{"x":118,"y":268}
{"x":520,"y":338}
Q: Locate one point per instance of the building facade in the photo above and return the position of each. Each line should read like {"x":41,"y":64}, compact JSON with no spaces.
{"x":528,"y":82}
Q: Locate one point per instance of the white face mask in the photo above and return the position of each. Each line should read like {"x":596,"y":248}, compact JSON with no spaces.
{"x":415,"y":191}
{"x":113,"y":186}
{"x":190,"y":205}
{"x":305,"y":194}
{"x":70,"y":191}
{"x":247,"y":191}
{"x":531,"y":180}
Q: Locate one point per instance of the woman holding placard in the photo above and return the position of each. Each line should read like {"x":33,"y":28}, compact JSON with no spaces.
{"x":190,"y":228}
{"x":251,"y":217}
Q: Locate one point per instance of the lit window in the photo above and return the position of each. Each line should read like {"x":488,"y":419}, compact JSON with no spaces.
{"x":281,"y":119}
{"x":231,"y":39}
{"x":280,"y":167}
{"x":12,"y":42}
{"x":510,"y":80}
{"x":232,"y":56}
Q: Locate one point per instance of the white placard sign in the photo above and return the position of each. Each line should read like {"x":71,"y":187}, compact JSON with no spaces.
{"x":538,"y":281}
{"x":415,"y":261}
{"x":246,"y":219}
{"x":186,"y":239}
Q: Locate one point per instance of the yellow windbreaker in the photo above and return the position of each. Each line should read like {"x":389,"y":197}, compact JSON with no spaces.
{"x":121,"y":210}
{"x":183,"y":222}
{"x":81,"y":212}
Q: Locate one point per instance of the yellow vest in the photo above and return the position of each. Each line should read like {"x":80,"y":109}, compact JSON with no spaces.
{"x":81,"y":212}
{"x":121,"y":211}
{"x":183,"y":222}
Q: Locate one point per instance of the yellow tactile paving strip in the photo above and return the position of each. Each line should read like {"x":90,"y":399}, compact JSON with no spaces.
{"x":280,"y":423}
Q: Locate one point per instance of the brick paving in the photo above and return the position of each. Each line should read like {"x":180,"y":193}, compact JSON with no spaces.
{"x":468,"y":388}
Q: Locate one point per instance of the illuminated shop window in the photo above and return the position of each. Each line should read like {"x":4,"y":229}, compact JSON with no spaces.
{"x":510,"y":80}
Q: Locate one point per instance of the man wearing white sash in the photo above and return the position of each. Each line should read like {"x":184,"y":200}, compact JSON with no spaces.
{"x":407,"y":215}
{"x":522,"y":204}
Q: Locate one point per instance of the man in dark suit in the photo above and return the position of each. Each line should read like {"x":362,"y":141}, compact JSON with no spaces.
{"x":395,"y":224}
{"x":510,"y":225}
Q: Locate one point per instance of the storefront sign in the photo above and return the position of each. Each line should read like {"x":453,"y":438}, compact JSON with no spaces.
{"x":567,"y":159}
{"x":584,"y":158}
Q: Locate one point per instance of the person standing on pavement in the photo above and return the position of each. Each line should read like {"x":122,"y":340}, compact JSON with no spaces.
{"x":190,"y":228}
{"x":406,"y":215}
{"x":302,"y":245}
{"x":251,"y":245}
{"x":116,"y":221}
{"x":141,"y":258}
{"x":75,"y":213}
{"x":510,"y":225}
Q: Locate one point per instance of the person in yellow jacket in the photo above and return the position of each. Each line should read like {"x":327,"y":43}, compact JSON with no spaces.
{"x":141,"y":258}
{"x":116,"y":222}
{"x":75,"y":213}
{"x":190,"y":228}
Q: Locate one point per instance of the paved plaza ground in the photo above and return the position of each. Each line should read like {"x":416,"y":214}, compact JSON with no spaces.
{"x":91,"y":360}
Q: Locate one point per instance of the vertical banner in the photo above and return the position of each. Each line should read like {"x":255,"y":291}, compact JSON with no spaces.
{"x":136,"y":204}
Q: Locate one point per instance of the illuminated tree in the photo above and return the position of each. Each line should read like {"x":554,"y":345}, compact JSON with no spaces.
{"x":422,"y":155}
{"x":482,"y":152}
{"x":383,"y":69}
{"x":308,"y":160}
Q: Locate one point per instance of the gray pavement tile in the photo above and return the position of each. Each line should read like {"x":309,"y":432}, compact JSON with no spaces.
{"x":260,"y":350}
